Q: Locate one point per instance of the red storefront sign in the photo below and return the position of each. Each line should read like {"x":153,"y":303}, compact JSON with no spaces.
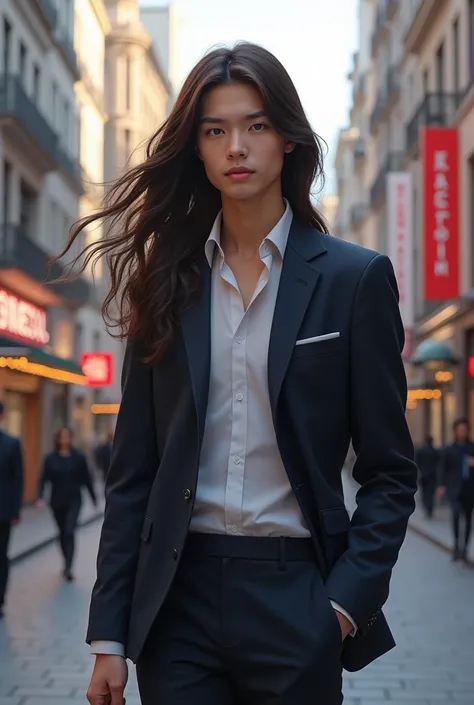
{"x":98,"y":368}
{"x":441,"y":213}
{"x":22,"y":320}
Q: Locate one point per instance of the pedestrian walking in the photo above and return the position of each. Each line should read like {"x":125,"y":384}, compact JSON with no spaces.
{"x":103,"y":454}
{"x":65,"y":472}
{"x":457,"y":484}
{"x":11,"y":492}
{"x":258,"y":346}
{"x":427,"y":459}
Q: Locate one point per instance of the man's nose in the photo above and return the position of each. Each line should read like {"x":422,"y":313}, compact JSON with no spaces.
{"x":237,"y":147}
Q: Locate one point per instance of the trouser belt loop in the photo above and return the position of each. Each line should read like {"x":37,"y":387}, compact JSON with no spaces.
{"x":282,"y":553}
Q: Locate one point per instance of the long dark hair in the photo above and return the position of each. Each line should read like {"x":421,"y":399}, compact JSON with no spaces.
{"x":159,"y":214}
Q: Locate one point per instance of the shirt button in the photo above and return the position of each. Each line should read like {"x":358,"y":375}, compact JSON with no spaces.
{"x":237,"y":460}
{"x":238,"y":340}
{"x":233,"y":529}
{"x":187,"y":494}
{"x":239,"y":396}
{"x":175,"y":554}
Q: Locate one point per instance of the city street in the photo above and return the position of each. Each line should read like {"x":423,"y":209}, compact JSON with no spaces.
{"x":43,"y":659}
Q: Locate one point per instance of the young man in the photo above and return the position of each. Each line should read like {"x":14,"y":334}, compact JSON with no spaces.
{"x":457,"y":483}
{"x":11,"y":491}
{"x":228,"y":567}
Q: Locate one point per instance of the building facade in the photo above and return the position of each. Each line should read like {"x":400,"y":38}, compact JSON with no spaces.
{"x":418,"y":60}
{"x":80,"y":90}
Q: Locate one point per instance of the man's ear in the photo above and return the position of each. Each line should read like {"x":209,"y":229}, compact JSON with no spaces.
{"x":289,"y":147}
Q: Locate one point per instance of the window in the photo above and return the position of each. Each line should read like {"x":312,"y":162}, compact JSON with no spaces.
{"x":7,"y":46}
{"x":456,"y":85}
{"x":36,"y":84}
{"x":22,"y":64}
{"x":440,"y":69}
{"x":27,"y":209}
{"x":7,"y":190}
{"x":471,"y":38}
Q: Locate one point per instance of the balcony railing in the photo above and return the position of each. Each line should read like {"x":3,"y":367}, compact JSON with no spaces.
{"x":19,"y":251}
{"x":16,"y":105}
{"x":66,"y":46}
{"x":394,"y":162}
{"x":378,"y":111}
{"x":18,"y":108}
{"x":422,"y":20}
{"x":436,"y":109}
{"x":380,"y":27}
{"x":358,"y":214}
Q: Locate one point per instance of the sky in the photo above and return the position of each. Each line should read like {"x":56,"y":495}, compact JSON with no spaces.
{"x":314,"y":39}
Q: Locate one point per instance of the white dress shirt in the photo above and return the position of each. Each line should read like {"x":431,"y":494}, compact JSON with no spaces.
{"x":243,"y":488}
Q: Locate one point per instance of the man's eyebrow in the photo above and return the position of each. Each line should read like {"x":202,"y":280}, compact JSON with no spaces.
{"x":208,"y":119}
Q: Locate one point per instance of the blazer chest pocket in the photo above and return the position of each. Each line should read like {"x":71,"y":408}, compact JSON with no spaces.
{"x":331,"y":346}
{"x":146,"y":529}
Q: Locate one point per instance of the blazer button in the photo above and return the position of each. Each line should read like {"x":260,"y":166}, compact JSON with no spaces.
{"x":175,"y":554}
{"x":187,"y":494}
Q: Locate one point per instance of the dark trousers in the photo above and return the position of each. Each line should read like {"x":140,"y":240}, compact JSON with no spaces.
{"x":464,"y":506}
{"x":247,"y":621}
{"x":5,"y":529}
{"x":66,"y":516}
{"x":428,"y":492}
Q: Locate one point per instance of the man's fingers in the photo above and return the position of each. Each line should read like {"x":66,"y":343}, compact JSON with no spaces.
{"x":98,"y":698}
{"x":116,"y":695}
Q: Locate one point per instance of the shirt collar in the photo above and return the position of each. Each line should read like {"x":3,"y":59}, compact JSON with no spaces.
{"x":278,"y":236}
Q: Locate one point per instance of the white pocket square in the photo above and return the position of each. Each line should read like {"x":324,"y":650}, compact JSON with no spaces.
{"x":317,"y":338}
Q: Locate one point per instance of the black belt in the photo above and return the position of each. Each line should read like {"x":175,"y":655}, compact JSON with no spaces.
{"x":270,"y":548}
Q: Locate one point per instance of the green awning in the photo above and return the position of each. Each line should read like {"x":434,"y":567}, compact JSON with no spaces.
{"x":39,"y":362}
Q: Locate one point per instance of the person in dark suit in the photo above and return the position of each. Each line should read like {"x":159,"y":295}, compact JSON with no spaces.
{"x":229,"y":569}
{"x":11,"y":492}
{"x":66,"y":472}
{"x":103,"y":454}
{"x":457,"y":484}
{"x":427,"y":459}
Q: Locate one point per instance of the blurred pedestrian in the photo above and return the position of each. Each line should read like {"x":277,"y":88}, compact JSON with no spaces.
{"x":457,"y":484}
{"x":103,"y":454}
{"x":65,"y":473}
{"x":11,"y":491}
{"x":257,"y":346}
{"x":427,"y":459}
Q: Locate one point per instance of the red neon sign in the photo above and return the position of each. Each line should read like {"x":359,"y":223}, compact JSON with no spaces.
{"x":98,"y":368}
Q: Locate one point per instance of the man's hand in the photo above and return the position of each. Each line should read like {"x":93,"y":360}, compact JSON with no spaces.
{"x":108,"y":681}
{"x":345,"y":624}
{"x":441,"y":491}
{"x":40,"y":503}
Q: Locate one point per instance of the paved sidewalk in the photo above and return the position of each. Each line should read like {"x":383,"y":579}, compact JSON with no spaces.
{"x":37,"y":528}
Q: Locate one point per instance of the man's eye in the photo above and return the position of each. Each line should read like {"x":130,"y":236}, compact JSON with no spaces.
{"x":259,"y":127}
{"x":214,"y":131}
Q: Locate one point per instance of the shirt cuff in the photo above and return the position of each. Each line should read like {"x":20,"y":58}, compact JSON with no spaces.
{"x":109,"y":648}
{"x":346,"y":615}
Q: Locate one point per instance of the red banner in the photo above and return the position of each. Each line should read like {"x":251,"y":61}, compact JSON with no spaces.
{"x":441,"y":213}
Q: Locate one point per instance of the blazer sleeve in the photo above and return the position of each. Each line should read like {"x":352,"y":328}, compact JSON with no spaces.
{"x":385,"y":467}
{"x":44,"y":477}
{"x":133,"y":467}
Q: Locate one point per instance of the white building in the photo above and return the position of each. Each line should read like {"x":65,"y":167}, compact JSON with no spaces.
{"x":40,"y":191}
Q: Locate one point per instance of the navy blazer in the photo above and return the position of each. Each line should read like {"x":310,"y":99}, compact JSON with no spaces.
{"x":322,"y":395}
{"x":11,"y":477}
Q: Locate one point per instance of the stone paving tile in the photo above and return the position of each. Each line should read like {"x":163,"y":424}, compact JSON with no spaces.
{"x":44,"y":661}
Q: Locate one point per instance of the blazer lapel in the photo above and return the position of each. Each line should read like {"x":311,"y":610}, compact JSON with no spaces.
{"x":196,"y":327}
{"x":298,"y":281}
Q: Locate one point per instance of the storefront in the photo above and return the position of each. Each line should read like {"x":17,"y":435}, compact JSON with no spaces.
{"x":26,"y":367}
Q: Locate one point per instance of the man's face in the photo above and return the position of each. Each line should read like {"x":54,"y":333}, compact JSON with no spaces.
{"x":461,"y":432}
{"x":236,"y":136}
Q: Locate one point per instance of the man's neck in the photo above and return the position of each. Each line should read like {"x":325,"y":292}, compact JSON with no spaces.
{"x":246,"y":223}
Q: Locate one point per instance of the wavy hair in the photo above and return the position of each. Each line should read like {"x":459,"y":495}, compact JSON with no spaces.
{"x":158,"y":215}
